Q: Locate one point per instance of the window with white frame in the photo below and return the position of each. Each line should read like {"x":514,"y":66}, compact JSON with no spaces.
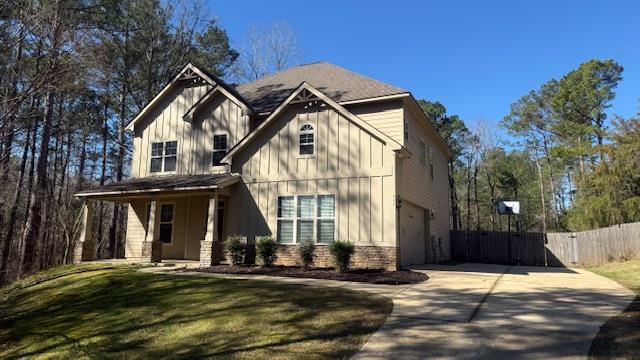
{"x":164,"y":156}
{"x":431,"y":162}
{"x":220,"y":148}
{"x":166,"y":223}
{"x":406,"y":130}
{"x":423,"y":152}
{"x":307,"y":140}
{"x":306,"y":217}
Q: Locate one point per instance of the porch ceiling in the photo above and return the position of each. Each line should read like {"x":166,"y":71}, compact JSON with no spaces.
{"x":160,"y":184}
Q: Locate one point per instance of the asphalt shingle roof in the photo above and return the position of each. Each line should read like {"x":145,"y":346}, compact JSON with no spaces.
{"x":173,"y":182}
{"x":266,"y":94}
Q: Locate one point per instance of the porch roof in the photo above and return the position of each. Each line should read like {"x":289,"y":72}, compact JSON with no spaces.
{"x":159,"y":184}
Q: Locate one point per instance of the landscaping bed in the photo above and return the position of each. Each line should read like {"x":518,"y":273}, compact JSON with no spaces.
{"x":373,"y":276}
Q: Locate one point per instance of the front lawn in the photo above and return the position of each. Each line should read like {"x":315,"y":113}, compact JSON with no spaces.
{"x":117,"y":312}
{"x":620,"y":336}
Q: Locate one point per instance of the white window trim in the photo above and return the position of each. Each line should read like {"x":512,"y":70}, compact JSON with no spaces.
{"x":163,"y":156}
{"x":315,"y":218}
{"x":214,"y":149}
{"x":406,"y":130}
{"x":431,"y":166}
{"x":423,"y":149}
{"x":173,"y":221}
{"x":312,"y":132}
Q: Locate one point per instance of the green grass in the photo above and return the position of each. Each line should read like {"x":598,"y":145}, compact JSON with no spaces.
{"x":118,"y":312}
{"x":620,"y":336}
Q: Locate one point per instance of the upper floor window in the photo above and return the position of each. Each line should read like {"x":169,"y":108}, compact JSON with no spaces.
{"x":307,"y":140}
{"x":431,"y":162}
{"x":423,"y":153}
{"x":406,"y":130}
{"x":164,"y":156}
{"x":220,"y":148}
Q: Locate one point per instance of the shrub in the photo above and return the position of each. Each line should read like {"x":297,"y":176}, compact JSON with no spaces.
{"x":266,"y":248}
{"x":341,"y":251}
{"x":306,"y":251}
{"x":235,"y":248}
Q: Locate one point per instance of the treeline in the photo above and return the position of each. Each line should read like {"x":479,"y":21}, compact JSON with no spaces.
{"x":72,"y":74}
{"x":569,"y":167}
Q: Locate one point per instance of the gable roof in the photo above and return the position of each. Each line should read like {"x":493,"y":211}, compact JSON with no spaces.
{"x":338,"y":83}
{"x":394,"y":145}
{"x":191,"y":71}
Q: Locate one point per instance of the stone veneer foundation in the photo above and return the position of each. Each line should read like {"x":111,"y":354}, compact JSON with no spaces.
{"x":365,"y":257}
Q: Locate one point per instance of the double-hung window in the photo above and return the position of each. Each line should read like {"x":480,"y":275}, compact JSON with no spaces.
{"x":220,"y":148}
{"x":306,"y":217}
{"x":164,"y":156}
{"x":307,"y":140}
{"x":431,"y":162}
{"x":423,"y":153}
{"x":166,"y":223}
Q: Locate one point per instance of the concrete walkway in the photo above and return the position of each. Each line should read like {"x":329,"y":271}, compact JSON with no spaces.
{"x":479,"y":311}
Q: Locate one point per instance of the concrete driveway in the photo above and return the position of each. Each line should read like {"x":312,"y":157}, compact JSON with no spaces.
{"x":479,"y":311}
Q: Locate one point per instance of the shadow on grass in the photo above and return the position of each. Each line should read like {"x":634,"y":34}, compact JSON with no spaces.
{"x":119,"y":312}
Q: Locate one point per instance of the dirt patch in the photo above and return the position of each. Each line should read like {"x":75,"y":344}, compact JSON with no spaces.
{"x":619,"y":337}
{"x":373,"y":276}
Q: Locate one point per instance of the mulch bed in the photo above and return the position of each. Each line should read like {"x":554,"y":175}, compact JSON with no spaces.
{"x":373,"y":276}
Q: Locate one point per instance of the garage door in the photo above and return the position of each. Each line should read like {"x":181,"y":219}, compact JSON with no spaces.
{"x":412,"y":235}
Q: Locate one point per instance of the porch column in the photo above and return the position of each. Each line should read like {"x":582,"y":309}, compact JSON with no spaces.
{"x":210,"y":246}
{"x":85,"y":247}
{"x":151,"y":247}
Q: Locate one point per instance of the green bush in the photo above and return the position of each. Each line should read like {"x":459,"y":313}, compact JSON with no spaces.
{"x":235,"y":248}
{"x":266,"y":248}
{"x":341,"y":251}
{"x":306,"y":251}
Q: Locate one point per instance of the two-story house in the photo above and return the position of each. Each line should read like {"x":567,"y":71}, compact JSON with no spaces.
{"x":314,"y":152}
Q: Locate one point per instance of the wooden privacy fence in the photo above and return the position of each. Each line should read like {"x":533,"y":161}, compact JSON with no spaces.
{"x":586,"y":248}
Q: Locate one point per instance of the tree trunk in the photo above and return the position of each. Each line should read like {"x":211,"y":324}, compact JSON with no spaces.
{"x":13,"y":210}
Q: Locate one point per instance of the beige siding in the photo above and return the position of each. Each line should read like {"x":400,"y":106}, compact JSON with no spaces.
{"x":415,"y":184}
{"x":349,"y":163}
{"x":195,"y":139}
{"x":136,"y":220}
{"x":385,"y":116}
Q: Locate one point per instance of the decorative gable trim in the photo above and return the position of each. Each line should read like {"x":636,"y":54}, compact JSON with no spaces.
{"x":193,"y":77}
{"x":306,"y":93}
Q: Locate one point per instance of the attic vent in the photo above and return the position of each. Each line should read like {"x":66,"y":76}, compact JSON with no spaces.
{"x":190,"y":78}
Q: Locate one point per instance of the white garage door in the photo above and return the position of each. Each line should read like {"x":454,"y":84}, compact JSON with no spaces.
{"x":412,"y":235}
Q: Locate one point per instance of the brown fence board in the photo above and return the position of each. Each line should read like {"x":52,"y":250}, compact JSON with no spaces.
{"x":587,"y":248}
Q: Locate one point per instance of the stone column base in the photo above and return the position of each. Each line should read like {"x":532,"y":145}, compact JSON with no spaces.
{"x":210,"y":253}
{"x":83,"y":251}
{"x":151,"y":251}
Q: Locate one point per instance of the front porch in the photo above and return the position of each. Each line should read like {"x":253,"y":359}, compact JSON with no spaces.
{"x":170,"y":218}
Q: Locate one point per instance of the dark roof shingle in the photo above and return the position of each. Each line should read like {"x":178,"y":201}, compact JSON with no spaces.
{"x":266,"y":94}
{"x":174,"y":182}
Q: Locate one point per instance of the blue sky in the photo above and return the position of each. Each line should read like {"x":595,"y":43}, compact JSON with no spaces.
{"x":475,"y":57}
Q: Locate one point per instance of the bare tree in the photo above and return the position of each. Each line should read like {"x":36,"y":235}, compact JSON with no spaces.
{"x":267,"y":50}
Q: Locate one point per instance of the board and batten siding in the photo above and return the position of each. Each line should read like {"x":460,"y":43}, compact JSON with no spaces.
{"x":348,"y":162}
{"x":414,"y":179}
{"x":385,"y":116}
{"x":195,"y":139}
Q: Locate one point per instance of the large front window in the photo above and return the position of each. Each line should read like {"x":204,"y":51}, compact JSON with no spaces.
{"x":164,"y":156}
{"x":306,"y":217}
